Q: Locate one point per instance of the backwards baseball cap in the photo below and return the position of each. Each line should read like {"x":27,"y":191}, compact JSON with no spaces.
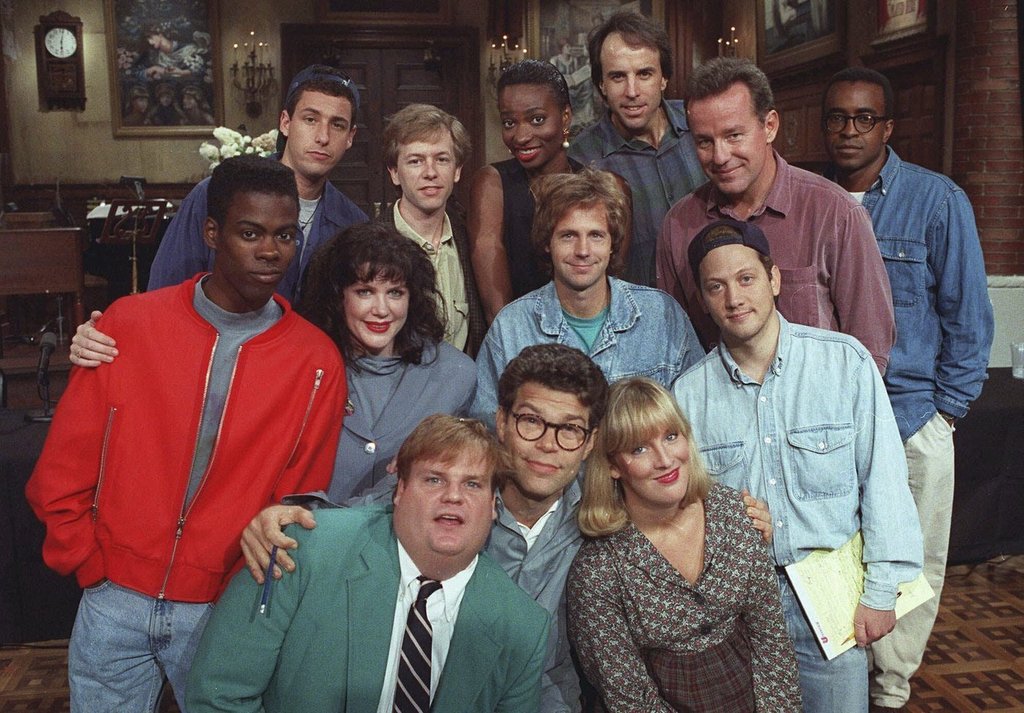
{"x":725,"y":232}
{"x":322,"y":73}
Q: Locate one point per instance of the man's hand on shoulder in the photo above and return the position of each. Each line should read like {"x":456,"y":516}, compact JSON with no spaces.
{"x":761,"y":518}
{"x":90,"y":347}
{"x":265,"y":531}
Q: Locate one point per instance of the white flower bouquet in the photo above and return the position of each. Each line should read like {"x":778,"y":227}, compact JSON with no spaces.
{"x":232,"y":143}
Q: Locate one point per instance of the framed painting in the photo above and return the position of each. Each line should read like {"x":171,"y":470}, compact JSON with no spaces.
{"x":900,"y":18}
{"x":557,"y":32}
{"x":164,"y":58}
{"x":791,"y":33}
{"x":379,"y":12}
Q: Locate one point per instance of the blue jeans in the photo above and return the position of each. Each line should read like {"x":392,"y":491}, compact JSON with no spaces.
{"x":124,"y":643}
{"x":836,"y":686}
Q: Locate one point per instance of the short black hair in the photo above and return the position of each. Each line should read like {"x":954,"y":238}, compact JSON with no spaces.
{"x":247,"y":174}
{"x":535,"y":71}
{"x":635,"y":30}
{"x":558,"y":367}
{"x":862,"y":74}
{"x":324,"y":79}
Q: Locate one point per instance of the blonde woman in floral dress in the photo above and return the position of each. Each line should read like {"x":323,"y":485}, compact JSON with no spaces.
{"x":673,"y":601}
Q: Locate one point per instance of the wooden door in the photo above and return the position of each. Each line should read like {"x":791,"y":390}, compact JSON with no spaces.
{"x":393,"y":67}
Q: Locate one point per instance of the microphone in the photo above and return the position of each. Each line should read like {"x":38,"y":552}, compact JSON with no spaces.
{"x":47,"y":344}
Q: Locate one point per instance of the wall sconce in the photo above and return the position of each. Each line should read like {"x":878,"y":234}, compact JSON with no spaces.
{"x":255,"y":77}
{"x":503,"y":56}
{"x":727,"y":47}
{"x":432,"y":62}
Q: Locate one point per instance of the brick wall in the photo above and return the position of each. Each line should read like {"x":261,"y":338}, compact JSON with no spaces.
{"x":988,"y":145}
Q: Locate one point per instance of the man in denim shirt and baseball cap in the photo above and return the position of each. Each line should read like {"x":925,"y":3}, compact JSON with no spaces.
{"x":800,"y":417}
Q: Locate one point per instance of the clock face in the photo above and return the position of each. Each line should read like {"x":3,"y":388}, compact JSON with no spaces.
{"x":61,"y":42}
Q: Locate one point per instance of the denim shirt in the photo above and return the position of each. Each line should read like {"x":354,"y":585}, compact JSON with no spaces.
{"x":818,"y":441}
{"x":926,"y":233}
{"x":541,"y":572}
{"x":646,"y":334}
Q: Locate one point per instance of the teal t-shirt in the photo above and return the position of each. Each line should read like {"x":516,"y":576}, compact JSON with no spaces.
{"x":587,"y":329}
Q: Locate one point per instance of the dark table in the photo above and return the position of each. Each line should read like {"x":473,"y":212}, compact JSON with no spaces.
{"x":988,"y":508}
{"x":36,"y":603}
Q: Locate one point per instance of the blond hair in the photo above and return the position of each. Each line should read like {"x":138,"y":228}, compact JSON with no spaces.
{"x":638,"y":410}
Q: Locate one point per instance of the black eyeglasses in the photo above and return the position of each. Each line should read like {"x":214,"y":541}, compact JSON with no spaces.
{"x":568,"y":436}
{"x":863,"y":123}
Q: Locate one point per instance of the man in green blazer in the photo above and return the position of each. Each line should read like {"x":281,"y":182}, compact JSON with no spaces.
{"x":327,"y":637}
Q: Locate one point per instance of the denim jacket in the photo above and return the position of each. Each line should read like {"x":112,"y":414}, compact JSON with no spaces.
{"x":817,"y":440}
{"x":929,"y":243}
{"x":646,"y":333}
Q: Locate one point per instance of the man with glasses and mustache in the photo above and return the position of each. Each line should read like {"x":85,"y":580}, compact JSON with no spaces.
{"x":832,"y":273}
{"x":925,"y":228}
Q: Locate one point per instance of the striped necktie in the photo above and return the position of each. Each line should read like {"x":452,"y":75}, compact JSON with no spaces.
{"x":412,"y":694}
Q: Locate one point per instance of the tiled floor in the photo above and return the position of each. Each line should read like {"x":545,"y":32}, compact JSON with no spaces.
{"x":975,"y":659}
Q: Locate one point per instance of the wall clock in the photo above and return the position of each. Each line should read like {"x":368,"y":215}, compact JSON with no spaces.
{"x":59,"y":66}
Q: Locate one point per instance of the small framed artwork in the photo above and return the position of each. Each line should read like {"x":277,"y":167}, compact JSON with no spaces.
{"x":791,"y":33}
{"x":385,"y":11}
{"x":164,"y":57}
{"x":557,"y":32}
{"x":900,"y":18}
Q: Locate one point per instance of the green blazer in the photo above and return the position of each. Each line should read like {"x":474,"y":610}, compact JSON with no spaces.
{"x":322,"y":644}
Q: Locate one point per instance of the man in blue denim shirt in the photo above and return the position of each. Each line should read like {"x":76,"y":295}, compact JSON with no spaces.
{"x":926,"y":233}
{"x":800,"y":417}
{"x":628,"y":330}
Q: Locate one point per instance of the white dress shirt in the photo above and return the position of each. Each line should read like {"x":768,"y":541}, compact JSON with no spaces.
{"x":442,"y":612}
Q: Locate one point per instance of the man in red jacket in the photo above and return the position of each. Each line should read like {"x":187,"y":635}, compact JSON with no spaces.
{"x":222,"y":401}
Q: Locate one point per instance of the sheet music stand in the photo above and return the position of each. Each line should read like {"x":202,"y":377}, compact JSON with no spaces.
{"x":139,"y":223}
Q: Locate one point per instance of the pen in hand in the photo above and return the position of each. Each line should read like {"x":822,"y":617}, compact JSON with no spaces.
{"x":268,"y":579}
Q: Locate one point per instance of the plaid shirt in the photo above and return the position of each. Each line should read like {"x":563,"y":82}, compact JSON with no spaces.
{"x":640,"y":629}
{"x":658,"y":177}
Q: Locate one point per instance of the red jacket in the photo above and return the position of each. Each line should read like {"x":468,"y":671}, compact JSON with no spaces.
{"x":110,"y":484}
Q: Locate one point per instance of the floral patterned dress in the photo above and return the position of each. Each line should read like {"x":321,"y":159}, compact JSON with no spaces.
{"x":651,"y":641}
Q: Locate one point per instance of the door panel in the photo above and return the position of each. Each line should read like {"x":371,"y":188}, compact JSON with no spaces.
{"x":388,"y":66}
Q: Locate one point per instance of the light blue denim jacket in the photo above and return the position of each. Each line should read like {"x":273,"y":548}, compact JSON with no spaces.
{"x":925,"y":228}
{"x":818,"y":441}
{"x":646,"y":333}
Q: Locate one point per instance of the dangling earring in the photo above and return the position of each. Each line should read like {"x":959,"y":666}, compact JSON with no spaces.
{"x":565,"y":138}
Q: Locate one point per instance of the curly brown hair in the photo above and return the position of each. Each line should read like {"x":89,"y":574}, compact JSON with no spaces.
{"x":363,"y":253}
